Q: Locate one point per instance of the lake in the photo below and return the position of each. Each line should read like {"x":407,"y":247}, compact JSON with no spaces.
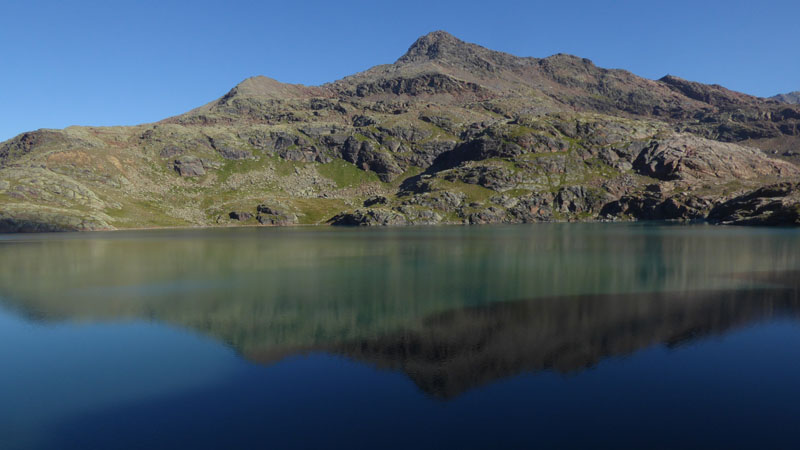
{"x":530,"y":336}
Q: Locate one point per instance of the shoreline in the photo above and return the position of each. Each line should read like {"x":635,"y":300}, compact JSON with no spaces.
{"x":372,"y":227}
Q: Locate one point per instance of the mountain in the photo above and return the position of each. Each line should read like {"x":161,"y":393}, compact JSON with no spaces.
{"x":451,"y":132}
{"x":791,"y":97}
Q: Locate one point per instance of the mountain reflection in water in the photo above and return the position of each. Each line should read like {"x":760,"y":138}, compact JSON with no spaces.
{"x":458,"y":350}
{"x":441,"y":305}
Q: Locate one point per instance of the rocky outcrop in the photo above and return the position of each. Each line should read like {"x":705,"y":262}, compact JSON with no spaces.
{"x":364,"y":155}
{"x":27,"y":142}
{"x":686,"y":157}
{"x":655,"y":204}
{"x":369,"y":217}
{"x":233,"y":153}
{"x":268,"y":215}
{"x":240,"y":215}
{"x":777,"y":204}
{"x":189,"y":166}
{"x":376,"y":200}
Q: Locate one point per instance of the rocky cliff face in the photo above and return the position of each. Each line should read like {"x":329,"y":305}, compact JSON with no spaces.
{"x":450,"y":133}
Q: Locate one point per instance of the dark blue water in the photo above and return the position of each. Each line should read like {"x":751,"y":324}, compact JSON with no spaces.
{"x":544,"y":336}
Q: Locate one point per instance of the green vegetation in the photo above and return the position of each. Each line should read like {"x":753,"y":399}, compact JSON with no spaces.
{"x":473,"y":192}
{"x":142,"y":214}
{"x":345,"y":174}
{"x":230,"y":167}
{"x":316,"y":211}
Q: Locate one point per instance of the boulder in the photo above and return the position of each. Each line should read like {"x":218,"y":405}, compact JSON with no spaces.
{"x":189,"y":166}
{"x":269,"y":215}
{"x":239,"y":215}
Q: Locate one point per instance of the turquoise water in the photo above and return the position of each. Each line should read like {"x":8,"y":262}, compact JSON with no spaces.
{"x":551,"y":335}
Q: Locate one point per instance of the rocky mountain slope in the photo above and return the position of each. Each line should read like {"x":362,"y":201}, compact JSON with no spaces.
{"x":450,"y":133}
{"x":791,"y":97}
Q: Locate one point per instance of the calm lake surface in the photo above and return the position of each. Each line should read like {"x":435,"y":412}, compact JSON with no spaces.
{"x":539,"y":336}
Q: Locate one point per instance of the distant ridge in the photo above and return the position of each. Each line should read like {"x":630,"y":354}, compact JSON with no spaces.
{"x":791,"y":97}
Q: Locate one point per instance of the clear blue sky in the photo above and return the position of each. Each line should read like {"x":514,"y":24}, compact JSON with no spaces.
{"x":126,"y":62}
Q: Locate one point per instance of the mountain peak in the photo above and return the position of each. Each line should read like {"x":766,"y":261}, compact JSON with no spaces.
{"x":443,"y":47}
{"x":265,"y":87}
{"x":433,"y":46}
